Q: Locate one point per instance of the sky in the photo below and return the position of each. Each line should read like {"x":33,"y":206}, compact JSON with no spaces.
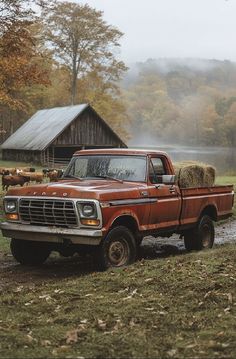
{"x":172,"y":28}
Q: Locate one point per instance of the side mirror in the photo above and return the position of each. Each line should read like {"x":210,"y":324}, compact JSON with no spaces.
{"x":168,"y":179}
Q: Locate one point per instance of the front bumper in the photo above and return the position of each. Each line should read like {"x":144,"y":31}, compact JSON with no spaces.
{"x":51,"y":234}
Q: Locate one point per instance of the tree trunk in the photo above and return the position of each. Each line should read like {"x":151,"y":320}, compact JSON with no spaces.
{"x":73,"y":83}
{"x":73,"y":90}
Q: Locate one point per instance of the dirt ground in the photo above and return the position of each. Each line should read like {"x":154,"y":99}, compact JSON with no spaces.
{"x":56,"y":268}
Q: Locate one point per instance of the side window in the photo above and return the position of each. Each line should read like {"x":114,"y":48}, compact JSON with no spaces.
{"x":156,"y":170}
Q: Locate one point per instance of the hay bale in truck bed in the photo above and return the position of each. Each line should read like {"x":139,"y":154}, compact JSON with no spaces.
{"x":194,"y":174}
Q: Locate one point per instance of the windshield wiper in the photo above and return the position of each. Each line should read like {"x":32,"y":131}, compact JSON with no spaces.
{"x":109,"y":178}
{"x":72,"y":176}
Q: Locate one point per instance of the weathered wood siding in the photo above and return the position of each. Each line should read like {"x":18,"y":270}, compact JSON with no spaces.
{"x":88,"y":130}
{"x":21,"y":156}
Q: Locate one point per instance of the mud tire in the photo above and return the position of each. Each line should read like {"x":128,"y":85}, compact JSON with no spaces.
{"x":29,"y":253}
{"x":118,"y":249}
{"x":202,"y":236}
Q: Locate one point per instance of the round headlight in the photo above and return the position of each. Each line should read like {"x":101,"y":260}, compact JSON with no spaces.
{"x":88,"y":210}
{"x":10,"y":206}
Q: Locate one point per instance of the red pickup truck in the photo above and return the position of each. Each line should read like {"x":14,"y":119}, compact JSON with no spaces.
{"x":106,"y":202}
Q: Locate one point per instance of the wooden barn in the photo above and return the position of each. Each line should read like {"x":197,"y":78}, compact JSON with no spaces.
{"x":52,"y":135}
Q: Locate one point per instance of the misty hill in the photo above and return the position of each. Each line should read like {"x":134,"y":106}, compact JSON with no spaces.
{"x":189,"y":101}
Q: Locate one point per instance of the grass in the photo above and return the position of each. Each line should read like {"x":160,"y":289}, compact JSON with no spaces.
{"x":174,"y":307}
{"x":223,"y":180}
{"x":181,"y":307}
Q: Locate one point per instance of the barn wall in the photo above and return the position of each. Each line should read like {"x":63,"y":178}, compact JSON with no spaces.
{"x":88,"y":130}
{"x":21,"y":156}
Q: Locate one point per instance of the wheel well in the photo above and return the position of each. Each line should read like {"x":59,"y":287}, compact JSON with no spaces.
{"x":211,"y":212}
{"x":127,"y":221}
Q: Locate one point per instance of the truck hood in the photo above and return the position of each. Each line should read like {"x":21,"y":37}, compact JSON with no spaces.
{"x":102,"y":190}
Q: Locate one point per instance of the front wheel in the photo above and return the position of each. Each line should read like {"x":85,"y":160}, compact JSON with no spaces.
{"x":202,"y":236}
{"x":29,"y":253}
{"x":118,"y":249}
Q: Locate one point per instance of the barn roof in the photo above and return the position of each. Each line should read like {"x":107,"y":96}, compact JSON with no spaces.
{"x":44,"y":127}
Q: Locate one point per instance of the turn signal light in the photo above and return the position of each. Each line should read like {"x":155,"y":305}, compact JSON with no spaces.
{"x":90,"y":222}
{"x":12,"y":216}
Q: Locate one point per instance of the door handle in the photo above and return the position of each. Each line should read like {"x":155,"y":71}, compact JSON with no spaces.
{"x":144,"y":193}
{"x":172,"y":189}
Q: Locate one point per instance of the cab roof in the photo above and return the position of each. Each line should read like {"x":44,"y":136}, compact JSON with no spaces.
{"x":120,"y":151}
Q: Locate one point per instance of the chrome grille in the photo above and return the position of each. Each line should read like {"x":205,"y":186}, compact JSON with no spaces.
{"x":48,"y":211}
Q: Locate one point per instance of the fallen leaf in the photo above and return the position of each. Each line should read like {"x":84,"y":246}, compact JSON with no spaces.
{"x":129,"y":297}
{"x":29,"y":338}
{"x":45,"y":343}
{"x":148,"y":280}
{"x":172,"y":352}
{"x":118,"y":325}
{"x":72,"y":336}
{"x":59,"y":291}
{"x":207,"y":294}
{"x":47,"y":297}
{"x":132,"y":323}
{"x":29,"y":303}
{"x":19,"y":289}
{"x":123,"y":290}
{"x":101,"y":324}
{"x":230,"y":298}
{"x":191,"y":346}
{"x":162,"y":313}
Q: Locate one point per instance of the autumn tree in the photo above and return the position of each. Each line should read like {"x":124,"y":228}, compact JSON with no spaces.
{"x":84,"y":42}
{"x":22,"y":64}
{"x":230,"y":125}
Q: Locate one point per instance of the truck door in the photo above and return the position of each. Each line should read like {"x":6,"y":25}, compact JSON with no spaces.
{"x":165,"y":211}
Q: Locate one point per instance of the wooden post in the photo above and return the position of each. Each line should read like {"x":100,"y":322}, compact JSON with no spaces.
{"x":53,"y":157}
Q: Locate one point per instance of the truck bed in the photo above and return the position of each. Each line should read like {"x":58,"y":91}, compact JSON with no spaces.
{"x":219,"y":199}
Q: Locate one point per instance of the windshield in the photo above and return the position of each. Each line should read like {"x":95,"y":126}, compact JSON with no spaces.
{"x":125,"y":168}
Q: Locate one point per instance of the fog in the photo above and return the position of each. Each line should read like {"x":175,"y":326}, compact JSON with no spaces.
{"x":172,"y":28}
{"x":195,"y":39}
{"x":166,"y":65}
{"x":222,"y":158}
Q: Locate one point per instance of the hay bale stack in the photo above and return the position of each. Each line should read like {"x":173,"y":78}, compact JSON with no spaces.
{"x":194,"y":174}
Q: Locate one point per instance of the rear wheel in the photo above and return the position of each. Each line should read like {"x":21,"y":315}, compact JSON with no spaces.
{"x":29,"y":253}
{"x":117,"y":249}
{"x":202,"y":236}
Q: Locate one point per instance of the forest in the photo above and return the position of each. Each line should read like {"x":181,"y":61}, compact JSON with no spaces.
{"x":184,"y":101}
{"x":63,"y":53}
